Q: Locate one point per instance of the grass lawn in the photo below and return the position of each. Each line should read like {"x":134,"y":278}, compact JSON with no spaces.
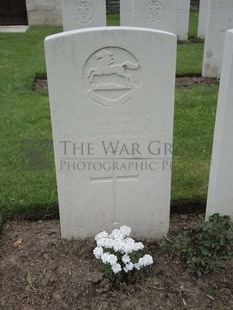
{"x":25,"y":115}
{"x":193,"y":24}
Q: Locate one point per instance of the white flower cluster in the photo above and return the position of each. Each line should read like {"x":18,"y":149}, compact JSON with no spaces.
{"x":119,"y":243}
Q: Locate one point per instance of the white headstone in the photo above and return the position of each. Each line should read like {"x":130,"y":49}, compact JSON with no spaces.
{"x":112,"y":118}
{"x":154,"y":14}
{"x":182,"y":19}
{"x":219,"y":20}
{"x":202,"y":18}
{"x":126,"y":12}
{"x":220,"y":193}
{"x":78,"y":14}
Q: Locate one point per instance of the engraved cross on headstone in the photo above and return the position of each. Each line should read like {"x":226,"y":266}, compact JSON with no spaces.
{"x":114,"y":179}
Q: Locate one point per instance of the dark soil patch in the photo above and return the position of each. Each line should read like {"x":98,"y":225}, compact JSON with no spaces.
{"x":40,"y":271}
{"x":188,"y":81}
{"x":40,"y":84}
{"x":181,"y":82}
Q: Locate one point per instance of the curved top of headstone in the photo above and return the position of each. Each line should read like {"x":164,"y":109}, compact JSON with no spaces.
{"x":108,"y":29}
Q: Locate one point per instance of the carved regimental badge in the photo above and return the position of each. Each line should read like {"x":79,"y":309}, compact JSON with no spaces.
{"x":154,"y":11}
{"x":84,"y":12}
{"x":111,"y":76}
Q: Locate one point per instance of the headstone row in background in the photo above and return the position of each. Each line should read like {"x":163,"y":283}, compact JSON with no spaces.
{"x":219,"y":19}
{"x":182,"y":19}
{"x":166,"y":15}
{"x":149,"y":14}
{"x":83,"y":14}
{"x":202,"y":20}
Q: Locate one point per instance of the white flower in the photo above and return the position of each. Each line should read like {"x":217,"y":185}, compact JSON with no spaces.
{"x":116,"y":235}
{"x":125,"y":259}
{"x":138,"y":246}
{"x":108,"y":258}
{"x":98,"y":252}
{"x":105,"y":258}
{"x":105,"y":243}
{"x":101,"y":242}
{"x":109,"y":243}
{"x":146,"y":260}
{"x":129,"y":245}
{"x":112,"y":259}
{"x":118,"y":245}
{"x":128,"y":267}
{"x":130,"y":241}
{"x":120,"y":242}
{"x":101,"y":235}
{"x":138,"y":266}
{"x":125,"y":230}
{"x":116,"y":268}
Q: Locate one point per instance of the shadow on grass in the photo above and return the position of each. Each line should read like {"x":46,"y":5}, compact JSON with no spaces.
{"x":25,"y":213}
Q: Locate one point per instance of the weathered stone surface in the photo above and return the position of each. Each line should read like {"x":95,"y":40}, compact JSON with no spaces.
{"x":219,"y":20}
{"x":202,"y":19}
{"x":44,"y":12}
{"x":182,"y":19}
{"x":220,"y":193}
{"x":83,"y":14}
{"x":112,"y":105}
{"x":153,"y":14}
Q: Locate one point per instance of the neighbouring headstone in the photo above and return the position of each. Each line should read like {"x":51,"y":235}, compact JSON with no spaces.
{"x":40,"y":12}
{"x":153,"y":14}
{"x":182,"y":19}
{"x":112,"y":105}
{"x":78,"y":14}
{"x":219,"y":20}
{"x":220,"y":193}
{"x":126,"y":12}
{"x":202,"y":18}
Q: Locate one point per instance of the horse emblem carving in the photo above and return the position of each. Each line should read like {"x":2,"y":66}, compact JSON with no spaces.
{"x":111,"y":76}
{"x":106,"y":66}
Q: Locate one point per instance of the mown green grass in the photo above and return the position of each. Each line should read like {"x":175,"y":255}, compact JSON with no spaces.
{"x":189,"y":58}
{"x":193,"y":24}
{"x":113,"y":20}
{"x":195,"y":110}
{"x":25,"y":115}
